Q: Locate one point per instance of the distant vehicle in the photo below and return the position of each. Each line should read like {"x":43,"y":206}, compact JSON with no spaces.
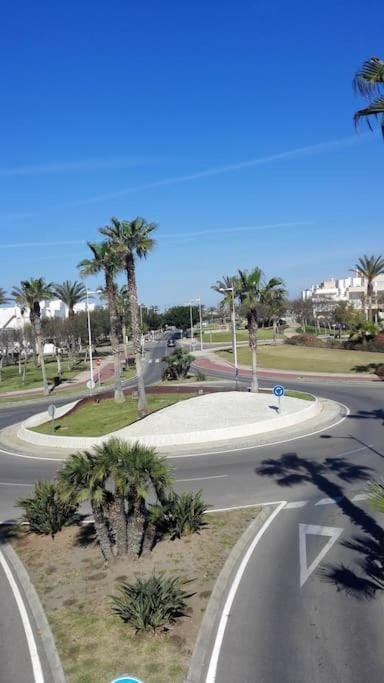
{"x":171,"y":342}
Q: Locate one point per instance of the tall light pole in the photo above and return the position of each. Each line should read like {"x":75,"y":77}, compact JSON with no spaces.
{"x":231,"y":289}
{"x":191,"y":321}
{"x":198,"y":300}
{"x":91,"y":380}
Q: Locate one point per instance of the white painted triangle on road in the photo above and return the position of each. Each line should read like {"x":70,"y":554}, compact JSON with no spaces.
{"x":332,"y":531}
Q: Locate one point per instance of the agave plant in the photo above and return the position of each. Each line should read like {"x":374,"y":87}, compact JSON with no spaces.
{"x":151,"y":604}
{"x":45,"y":512}
{"x":184,"y":513}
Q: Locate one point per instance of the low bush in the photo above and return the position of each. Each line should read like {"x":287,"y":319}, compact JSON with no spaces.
{"x":44,"y":511}
{"x":200,"y":376}
{"x":184,"y":513}
{"x":151,"y":604}
{"x":305,"y":340}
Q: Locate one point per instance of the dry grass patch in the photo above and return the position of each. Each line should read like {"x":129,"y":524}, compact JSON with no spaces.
{"x":75,"y":587}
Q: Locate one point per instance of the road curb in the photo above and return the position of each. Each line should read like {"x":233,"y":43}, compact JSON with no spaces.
{"x":36,"y":608}
{"x":208,"y":627}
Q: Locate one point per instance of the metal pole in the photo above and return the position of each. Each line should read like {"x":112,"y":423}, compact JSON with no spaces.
{"x":234,"y":334}
{"x":90,"y":343}
{"x":201,"y":325}
{"x":190,"y":313}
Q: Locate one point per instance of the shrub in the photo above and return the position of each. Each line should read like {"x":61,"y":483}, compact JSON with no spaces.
{"x":379,"y":371}
{"x":305,"y":340}
{"x":45,"y":512}
{"x":151,"y":604}
{"x":184,"y":513}
{"x":178,"y":364}
{"x":200,"y":376}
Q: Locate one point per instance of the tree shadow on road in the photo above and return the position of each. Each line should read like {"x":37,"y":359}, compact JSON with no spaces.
{"x":367,"y":577}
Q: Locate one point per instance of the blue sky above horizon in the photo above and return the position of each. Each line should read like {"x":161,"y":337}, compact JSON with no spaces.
{"x":229,"y":124}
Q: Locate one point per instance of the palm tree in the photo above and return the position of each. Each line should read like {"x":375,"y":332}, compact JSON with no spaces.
{"x":132,"y":239}
{"x":70,"y":293}
{"x":225,"y":287}
{"x":122,"y":309}
{"x":29,"y":295}
{"x":254,"y":294}
{"x":369,"y":267}
{"x":369,"y":82}
{"x":78,"y":483}
{"x":3,"y":297}
{"x":134,"y":469}
{"x":107,"y":261}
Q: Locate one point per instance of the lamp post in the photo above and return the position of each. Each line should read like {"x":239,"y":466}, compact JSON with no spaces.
{"x":198,"y":300}
{"x":91,"y":380}
{"x":191,"y":321}
{"x":231,"y":289}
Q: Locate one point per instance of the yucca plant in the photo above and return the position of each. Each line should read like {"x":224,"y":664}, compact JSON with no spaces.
{"x":151,"y":604}
{"x":376,"y":495}
{"x":45,"y":512}
{"x":184,"y":513}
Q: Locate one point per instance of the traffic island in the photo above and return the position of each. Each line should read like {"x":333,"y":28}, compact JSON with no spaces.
{"x":219,"y":416}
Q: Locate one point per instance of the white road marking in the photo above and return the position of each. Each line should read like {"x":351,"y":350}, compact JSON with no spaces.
{"x":296,"y":504}
{"x":217,"y":476}
{"x":157,"y":360}
{"x":150,"y":360}
{"x":211,"y":674}
{"x":31,"y":457}
{"x":11,"y":483}
{"x":266,"y":445}
{"x":33,"y":652}
{"x":360,"y":496}
{"x":328,"y":501}
{"x":304,"y":529}
{"x":244,"y":507}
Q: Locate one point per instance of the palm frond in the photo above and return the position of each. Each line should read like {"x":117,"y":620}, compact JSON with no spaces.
{"x":369,"y":77}
{"x":375,"y":109}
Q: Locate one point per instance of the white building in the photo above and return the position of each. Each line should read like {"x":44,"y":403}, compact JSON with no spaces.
{"x":12,"y":318}
{"x":351,"y":289}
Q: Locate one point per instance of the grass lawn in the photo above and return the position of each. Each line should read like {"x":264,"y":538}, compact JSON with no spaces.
{"x":12,"y":381}
{"x":286,"y":357}
{"x":242,"y":335}
{"x":96,"y":419}
{"x":75,"y":586}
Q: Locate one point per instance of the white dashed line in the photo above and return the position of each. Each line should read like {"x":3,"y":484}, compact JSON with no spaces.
{"x":296,"y":504}
{"x":328,"y":501}
{"x":12,"y":483}
{"x":217,"y":476}
{"x":360,"y":496}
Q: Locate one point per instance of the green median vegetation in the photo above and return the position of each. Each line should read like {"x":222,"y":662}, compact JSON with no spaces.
{"x":12,"y":375}
{"x":103,"y":416}
{"x":223,"y":336}
{"x":301,"y":358}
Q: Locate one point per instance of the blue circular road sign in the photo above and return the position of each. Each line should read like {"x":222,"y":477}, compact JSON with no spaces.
{"x":278,"y":390}
{"x":126,"y":679}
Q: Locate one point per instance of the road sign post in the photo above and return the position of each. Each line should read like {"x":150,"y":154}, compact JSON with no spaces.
{"x":51,"y":413}
{"x":278,"y":391}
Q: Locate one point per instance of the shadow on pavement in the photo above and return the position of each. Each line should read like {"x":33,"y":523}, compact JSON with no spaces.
{"x":367,"y":577}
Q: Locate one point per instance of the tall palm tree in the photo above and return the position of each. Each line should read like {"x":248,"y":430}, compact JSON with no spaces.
{"x":224,"y":287}
{"x":106,"y":260}
{"x":70,"y":293}
{"x":254,"y":293}
{"x":78,"y":483}
{"x":369,"y":82}
{"x":369,"y":267}
{"x":132,"y":239}
{"x":122,"y":309}
{"x":3,"y":297}
{"x":29,"y":295}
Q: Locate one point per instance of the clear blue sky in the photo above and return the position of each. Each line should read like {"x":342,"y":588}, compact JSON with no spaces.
{"x":156,"y":108}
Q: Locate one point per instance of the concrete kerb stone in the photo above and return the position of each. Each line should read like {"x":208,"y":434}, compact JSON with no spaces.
{"x":35,"y":606}
{"x":208,"y":627}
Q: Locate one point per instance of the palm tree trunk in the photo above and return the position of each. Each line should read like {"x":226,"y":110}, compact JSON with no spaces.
{"x":114,"y":319}
{"x":369,"y":300}
{"x":118,"y":521}
{"x":124,"y":333}
{"x":135,"y":528}
{"x":136,"y":332}
{"x":40,"y":352}
{"x":252,"y":331}
{"x":102,"y":533}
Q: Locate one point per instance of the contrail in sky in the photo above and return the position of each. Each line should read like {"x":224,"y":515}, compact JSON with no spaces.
{"x":172,"y":236}
{"x":77,"y":166}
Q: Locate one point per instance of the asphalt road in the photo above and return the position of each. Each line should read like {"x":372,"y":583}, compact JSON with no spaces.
{"x":294,"y":618}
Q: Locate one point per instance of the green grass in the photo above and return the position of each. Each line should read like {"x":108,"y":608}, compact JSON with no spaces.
{"x":12,"y":381}
{"x":241,"y":335}
{"x":96,"y":419}
{"x":299,"y":394}
{"x":286,"y":357}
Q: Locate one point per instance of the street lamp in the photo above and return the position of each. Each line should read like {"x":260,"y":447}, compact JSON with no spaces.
{"x":198,"y":300}
{"x":231,"y":289}
{"x":91,"y":380}
{"x":191,"y":321}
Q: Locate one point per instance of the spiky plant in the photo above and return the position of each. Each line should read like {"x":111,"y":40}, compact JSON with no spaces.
{"x":45,"y":512}
{"x":151,"y":604}
{"x":184,"y":513}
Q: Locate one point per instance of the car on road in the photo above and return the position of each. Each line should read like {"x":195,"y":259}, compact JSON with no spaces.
{"x":171,"y":343}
